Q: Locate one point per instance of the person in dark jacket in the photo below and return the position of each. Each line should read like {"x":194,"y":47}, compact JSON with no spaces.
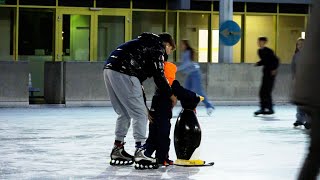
{"x":124,"y":71}
{"x":158,"y":140}
{"x":306,"y":91}
{"x":302,"y":117}
{"x":270,"y":63}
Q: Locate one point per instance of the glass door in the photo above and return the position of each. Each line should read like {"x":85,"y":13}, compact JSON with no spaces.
{"x":76,"y":37}
{"x":74,"y":29}
{"x":112,"y":30}
{"x":85,"y":35}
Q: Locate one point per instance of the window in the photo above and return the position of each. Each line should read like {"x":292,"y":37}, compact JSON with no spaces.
{"x":201,"y":5}
{"x":290,"y":29}
{"x":76,"y":37}
{"x":262,"y":7}
{"x":76,"y":3}
{"x":194,"y":27}
{"x":36,"y":42}
{"x":35,"y":33}
{"x":238,"y":7}
{"x":147,"y":22}
{"x":108,"y":26}
{"x":6,"y":33}
{"x":172,"y":28}
{"x":294,"y":8}
{"x":148,"y":4}
{"x":113,"y":3}
{"x":216,"y":5}
{"x":38,"y":2}
{"x":257,"y":26}
{"x":8,"y":2}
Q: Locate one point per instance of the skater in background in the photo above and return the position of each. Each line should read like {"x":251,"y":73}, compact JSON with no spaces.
{"x":161,"y":113}
{"x":301,"y":116}
{"x":270,"y":63}
{"x":306,"y":91}
{"x":192,"y":70}
{"x":124,"y":71}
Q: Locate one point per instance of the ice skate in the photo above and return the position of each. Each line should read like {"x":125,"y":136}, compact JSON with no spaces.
{"x":307,"y":125}
{"x":119,"y":157}
{"x":297,"y":123}
{"x":269,"y":112}
{"x":264,"y":112}
{"x":144,"y":162}
{"x":210,"y":110}
{"x":261,"y":111}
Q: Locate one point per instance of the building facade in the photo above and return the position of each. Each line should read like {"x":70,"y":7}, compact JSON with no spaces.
{"x":88,"y":30}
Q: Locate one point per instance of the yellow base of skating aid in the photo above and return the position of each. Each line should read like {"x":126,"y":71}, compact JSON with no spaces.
{"x":182,"y":162}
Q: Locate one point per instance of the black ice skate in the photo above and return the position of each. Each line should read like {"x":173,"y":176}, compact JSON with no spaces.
{"x":144,"y":162}
{"x":264,"y":112}
{"x":307,"y":125}
{"x":119,"y":157}
{"x":297,"y":123}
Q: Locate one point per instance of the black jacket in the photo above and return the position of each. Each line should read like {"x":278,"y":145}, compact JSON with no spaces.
{"x":143,"y":58}
{"x":268,"y":60}
{"x":306,"y":86}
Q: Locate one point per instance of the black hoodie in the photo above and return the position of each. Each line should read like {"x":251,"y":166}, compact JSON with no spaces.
{"x":143,"y":58}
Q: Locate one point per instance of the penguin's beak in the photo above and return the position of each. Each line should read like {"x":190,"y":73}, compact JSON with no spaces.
{"x":201,"y":98}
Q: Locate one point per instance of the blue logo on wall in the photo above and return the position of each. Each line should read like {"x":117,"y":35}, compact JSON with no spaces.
{"x":229,"y":33}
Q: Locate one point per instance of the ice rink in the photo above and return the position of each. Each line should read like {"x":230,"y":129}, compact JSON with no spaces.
{"x":75,"y":143}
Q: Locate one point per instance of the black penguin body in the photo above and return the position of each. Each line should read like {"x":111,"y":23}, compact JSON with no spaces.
{"x":187,"y":134}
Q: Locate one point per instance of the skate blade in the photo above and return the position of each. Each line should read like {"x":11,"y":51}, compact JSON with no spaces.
{"x":263,"y":114}
{"x":140,"y":166}
{"x":120,"y":162}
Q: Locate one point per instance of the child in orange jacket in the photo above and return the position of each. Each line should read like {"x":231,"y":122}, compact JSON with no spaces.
{"x":161,"y":113}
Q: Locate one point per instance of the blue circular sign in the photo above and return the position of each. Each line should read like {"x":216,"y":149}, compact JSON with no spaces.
{"x":229,"y":33}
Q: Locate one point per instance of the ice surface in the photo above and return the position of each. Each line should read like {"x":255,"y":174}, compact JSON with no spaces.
{"x":74,"y":143}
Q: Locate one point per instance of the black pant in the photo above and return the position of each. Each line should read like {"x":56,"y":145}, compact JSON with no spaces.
{"x":311,"y":164}
{"x":159,"y":130}
{"x":266,"y":91}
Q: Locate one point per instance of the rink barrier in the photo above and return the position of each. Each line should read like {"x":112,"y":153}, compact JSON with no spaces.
{"x":81,"y":83}
{"x":14,"y":77}
{"x":54,"y":82}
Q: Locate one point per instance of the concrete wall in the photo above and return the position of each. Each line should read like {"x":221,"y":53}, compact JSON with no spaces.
{"x":14,"y":84}
{"x":224,"y":84}
{"x":229,"y":83}
{"x":84,"y":84}
{"x":54,"y":82}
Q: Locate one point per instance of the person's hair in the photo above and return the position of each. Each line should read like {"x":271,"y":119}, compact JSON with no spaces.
{"x":298,"y":40}
{"x":188,"y":47}
{"x":264,"y":39}
{"x":167,"y":38}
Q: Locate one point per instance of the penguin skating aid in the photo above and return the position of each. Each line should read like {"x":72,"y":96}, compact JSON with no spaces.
{"x":187,"y":132}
